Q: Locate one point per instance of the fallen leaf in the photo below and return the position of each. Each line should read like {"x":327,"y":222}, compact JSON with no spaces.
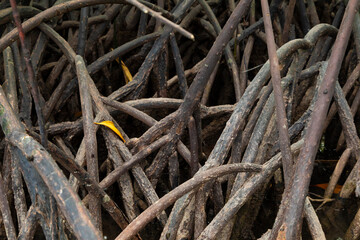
{"x":118,"y":60}
{"x":111,"y":125}
{"x":324,"y":186}
{"x":127,"y":74}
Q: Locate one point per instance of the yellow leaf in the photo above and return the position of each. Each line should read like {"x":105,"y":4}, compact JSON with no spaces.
{"x":118,"y":61}
{"x":127,"y":74}
{"x":111,"y":125}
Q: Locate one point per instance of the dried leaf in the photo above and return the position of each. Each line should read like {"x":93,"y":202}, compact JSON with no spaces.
{"x":111,"y":125}
{"x":117,"y":60}
{"x":324,"y":186}
{"x":127,"y":74}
